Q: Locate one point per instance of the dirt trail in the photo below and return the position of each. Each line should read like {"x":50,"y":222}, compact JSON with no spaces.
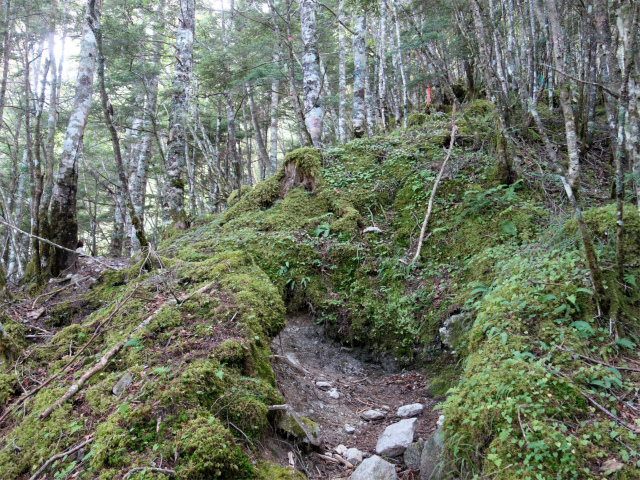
{"x":362,"y":383}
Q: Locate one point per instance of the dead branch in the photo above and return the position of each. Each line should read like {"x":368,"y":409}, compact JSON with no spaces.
{"x":454,"y":129}
{"x":73,"y":389}
{"x":59,"y":456}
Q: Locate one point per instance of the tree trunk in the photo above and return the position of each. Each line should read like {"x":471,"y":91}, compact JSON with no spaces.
{"x":236,"y":165}
{"x":273,"y":146}
{"x":312,"y":80}
{"x":573,"y":172}
{"x":176,"y":157}
{"x":342,"y":78}
{"x":359,"y":76}
{"x":262,"y":149}
{"x":62,"y":213}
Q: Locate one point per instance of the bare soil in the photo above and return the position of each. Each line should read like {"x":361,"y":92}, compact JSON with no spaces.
{"x":303,"y":355}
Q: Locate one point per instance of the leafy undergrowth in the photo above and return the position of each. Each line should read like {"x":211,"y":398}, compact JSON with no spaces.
{"x":533,"y":362}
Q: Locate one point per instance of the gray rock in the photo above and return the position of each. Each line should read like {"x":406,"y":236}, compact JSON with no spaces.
{"x":432,"y":464}
{"x":375,"y":468}
{"x":412,"y":454}
{"x":123,"y":383}
{"x":77,"y":278}
{"x":453,"y":328}
{"x":324,"y":385}
{"x":408,"y":411}
{"x":371,"y":230}
{"x":340,"y":449}
{"x":373,"y":415}
{"x":396,"y":438}
{"x":353,"y":456}
{"x":333,"y":393}
{"x":349,"y":428}
{"x":300,"y":428}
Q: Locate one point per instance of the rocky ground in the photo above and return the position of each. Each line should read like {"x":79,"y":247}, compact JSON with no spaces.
{"x":353,"y":401}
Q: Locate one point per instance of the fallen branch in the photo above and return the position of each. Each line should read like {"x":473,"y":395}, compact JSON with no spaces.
{"x":59,"y":456}
{"x":629,"y":369}
{"x":22,"y":399}
{"x":73,"y":389}
{"x":56,"y":245}
{"x":607,"y":412}
{"x":166,"y":471}
{"x":284,"y":407}
{"x":454,"y":129}
{"x":52,"y":293}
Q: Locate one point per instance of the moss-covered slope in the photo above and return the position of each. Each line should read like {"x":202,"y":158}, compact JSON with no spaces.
{"x":499,"y":307}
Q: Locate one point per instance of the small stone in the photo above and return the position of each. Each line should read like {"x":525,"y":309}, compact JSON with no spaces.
{"x":371,"y":415}
{"x":396,"y":438}
{"x":386,"y":407}
{"x":349,"y":429}
{"x":440,"y":422}
{"x":375,"y":468}
{"x":123,"y":383}
{"x":408,"y":411}
{"x":324,"y":385}
{"x":372,"y":230}
{"x":340,"y":449}
{"x":333,"y":393}
{"x":353,"y":456}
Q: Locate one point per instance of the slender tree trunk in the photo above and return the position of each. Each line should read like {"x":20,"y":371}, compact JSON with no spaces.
{"x":262,"y":149}
{"x":342,"y":78}
{"x":360,"y":73}
{"x":573,"y":172}
{"x":403,"y":74}
{"x":273,"y":146}
{"x":176,"y":158}
{"x":382,"y":76}
{"x":107,"y":110}
{"x":62,"y":213}
{"x":236,"y":165}
{"x":312,"y":80}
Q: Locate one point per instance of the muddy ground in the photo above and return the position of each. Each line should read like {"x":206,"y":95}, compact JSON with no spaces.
{"x":303,"y":356}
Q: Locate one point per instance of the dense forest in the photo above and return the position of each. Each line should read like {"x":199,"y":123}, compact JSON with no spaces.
{"x":238,"y":236}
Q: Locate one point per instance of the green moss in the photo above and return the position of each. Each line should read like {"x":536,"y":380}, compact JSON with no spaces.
{"x":8,"y":386}
{"x":416,"y":119}
{"x":270,"y":471}
{"x":210,"y":452}
{"x":236,"y":195}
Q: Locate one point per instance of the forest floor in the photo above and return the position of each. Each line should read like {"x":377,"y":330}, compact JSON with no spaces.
{"x":304,"y":356}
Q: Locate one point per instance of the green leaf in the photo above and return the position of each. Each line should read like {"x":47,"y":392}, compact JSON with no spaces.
{"x":546,"y":298}
{"x":630,"y":279}
{"x":572,"y":299}
{"x":509,"y":228}
{"x":220,"y":374}
{"x":583,"y":328}
{"x":133,"y":342}
{"x":626,"y":343}
{"x":585,"y":290}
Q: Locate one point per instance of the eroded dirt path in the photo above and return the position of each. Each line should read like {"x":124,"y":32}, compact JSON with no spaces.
{"x":305,"y":356}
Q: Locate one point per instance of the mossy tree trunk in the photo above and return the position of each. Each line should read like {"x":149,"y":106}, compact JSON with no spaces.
{"x":63,"y":223}
{"x":176,"y":153}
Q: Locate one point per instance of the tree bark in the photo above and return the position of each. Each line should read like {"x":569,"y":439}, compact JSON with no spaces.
{"x":342,"y":78}
{"x":262,"y":149}
{"x":359,"y":118}
{"x":176,"y":153}
{"x":312,"y":80}
{"x":62,"y":213}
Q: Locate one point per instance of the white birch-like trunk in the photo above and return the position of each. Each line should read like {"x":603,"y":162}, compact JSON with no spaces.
{"x":342,"y":78}
{"x":62,"y":212}
{"x":382,"y":54}
{"x":400,"y":60}
{"x":573,"y":171}
{"x":359,"y":117}
{"x":273,"y":140}
{"x":312,"y":80}
{"x":176,"y":158}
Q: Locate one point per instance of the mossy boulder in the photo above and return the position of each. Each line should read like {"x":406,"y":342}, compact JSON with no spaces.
{"x":416,"y":119}
{"x":210,"y":452}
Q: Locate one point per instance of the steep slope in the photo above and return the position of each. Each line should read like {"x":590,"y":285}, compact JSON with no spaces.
{"x":499,"y":307}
